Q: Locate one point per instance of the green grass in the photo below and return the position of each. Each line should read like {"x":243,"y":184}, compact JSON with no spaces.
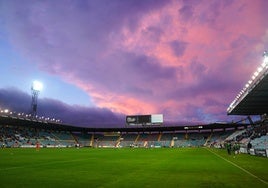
{"x":187,"y":167}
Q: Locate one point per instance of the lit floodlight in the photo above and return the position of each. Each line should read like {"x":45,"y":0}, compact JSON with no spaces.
{"x":37,"y":86}
{"x":265,"y":60}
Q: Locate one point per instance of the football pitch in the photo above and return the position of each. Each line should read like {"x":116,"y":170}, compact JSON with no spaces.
{"x":130,"y":167}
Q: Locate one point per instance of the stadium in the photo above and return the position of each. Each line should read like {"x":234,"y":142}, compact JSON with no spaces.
{"x":48,"y":153}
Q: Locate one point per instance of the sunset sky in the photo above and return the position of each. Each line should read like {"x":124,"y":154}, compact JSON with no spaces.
{"x":100,"y":60}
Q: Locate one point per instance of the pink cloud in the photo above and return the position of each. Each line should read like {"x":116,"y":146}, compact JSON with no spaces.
{"x":138,"y":57}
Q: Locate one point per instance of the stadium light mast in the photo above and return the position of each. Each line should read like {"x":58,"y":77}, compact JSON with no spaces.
{"x":36,"y":88}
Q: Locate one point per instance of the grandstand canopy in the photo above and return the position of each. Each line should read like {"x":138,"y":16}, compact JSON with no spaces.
{"x":253,"y":99}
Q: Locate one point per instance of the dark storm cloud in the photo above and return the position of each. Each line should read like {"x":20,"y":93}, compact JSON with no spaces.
{"x":20,"y":102}
{"x":12,"y":98}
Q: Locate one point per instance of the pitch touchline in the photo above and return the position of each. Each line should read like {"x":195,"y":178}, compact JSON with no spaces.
{"x":263,"y":181}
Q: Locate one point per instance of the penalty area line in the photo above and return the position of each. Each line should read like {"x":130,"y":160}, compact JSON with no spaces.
{"x":263,"y":181}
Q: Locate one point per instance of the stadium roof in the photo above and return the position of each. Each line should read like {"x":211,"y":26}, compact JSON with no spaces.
{"x":253,"y":98}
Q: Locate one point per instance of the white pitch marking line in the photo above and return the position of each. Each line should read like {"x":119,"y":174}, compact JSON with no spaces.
{"x":263,"y":181}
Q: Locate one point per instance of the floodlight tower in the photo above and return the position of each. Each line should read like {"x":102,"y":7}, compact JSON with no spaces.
{"x":36,"y":88}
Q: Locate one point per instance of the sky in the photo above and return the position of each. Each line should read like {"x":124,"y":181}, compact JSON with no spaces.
{"x":100,"y":60}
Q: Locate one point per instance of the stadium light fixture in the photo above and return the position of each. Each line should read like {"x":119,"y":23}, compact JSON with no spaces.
{"x":263,"y":64}
{"x":260,"y":69}
{"x":265,"y":59}
{"x":37,"y":86}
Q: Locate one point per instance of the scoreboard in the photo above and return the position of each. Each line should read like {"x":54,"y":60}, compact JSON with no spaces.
{"x":145,"y":120}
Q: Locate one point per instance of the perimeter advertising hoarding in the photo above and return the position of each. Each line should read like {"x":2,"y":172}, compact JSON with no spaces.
{"x":155,"y":119}
{"x":260,"y":152}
